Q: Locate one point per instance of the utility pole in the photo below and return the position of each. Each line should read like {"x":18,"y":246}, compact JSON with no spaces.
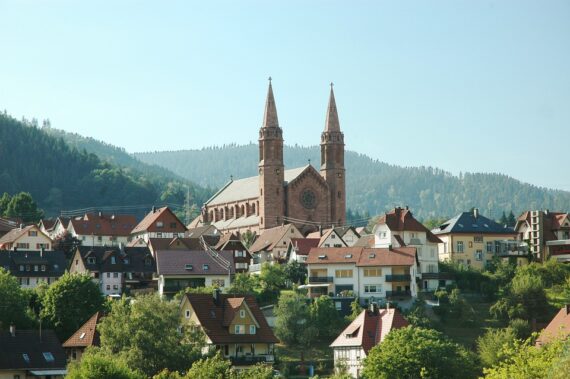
{"x":187,"y":210}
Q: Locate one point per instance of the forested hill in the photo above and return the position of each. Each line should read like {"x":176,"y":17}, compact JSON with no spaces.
{"x":372,"y":185}
{"x":62,"y":177}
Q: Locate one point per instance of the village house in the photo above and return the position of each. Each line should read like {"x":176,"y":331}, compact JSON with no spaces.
{"x":298,"y":249}
{"x":31,"y":354}
{"x":98,"y":229}
{"x":547,"y":234}
{"x":371,"y":274}
{"x":199,"y":231}
{"x":180,"y":269}
{"x":233,"y":325}
{"x":87,"y":335}
{"x":115,"y":270}
{"x":399,"y":228}
{"x":328,"y":238}
{"x":271,"y":246}
{"x":159,"y":223}
{"x":367,"y":330}
{"x":29,"y":238}
{"x":470,"y":239}
{"x":34,"y":267}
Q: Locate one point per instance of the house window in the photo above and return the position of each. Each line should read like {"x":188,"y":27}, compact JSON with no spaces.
{"x":108,"y":275}
{"x":113,"y":260}
{"x":147,"y":262}
{"x":242,"y":313}
{"x":343,"y":273}
{"x":108,"y":287}
{"x":205,"y":267}
{"x":172,"y":225}
{"x":159,"y":224}
{"x":333,"y":236}
{"x":478,"y":239}
{"x":479,"y":255}
{"x":460,"y":246}
{"x":28,"y":268}
{"x":240,"y":329}
{"x":489,"y":247}
{"x":338,"y":305}
{"x":126,"y":261}
{"x":239,"y":349}
{"x":99,"y":238}
{"x":376,"y":271}
{"x":21,"y":267}
{"x":187,"y":314}
{"x":115,"y":286}
{"x":91,"y":260}
{"x":432,"y":252}
{"x":32,"y":233}
{"x":470,"y":244}
{"x":372,"y":288}
{"x":158,"y":235}
{"x":115,"y":275}
{"x":252,"y":329}
{"x":22,"y":245}
{"x":419,"y":251}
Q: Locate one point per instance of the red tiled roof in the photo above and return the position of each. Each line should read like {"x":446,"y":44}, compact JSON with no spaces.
{"x":147,"y":222}
{"x":370,"y":328}
{"x":87,"y":334}
{"x":304,"y":245}
{"x":231,"y":308}
{"x":212,"y":316}
{"x":559,"y":327}
{"x":400,"y":220}
{"x":269,"y":237}
{"x":362,"y":256}
{"x":103,"y":225}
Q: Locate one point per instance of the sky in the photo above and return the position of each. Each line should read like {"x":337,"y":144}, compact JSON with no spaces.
{"x":466,"y":86}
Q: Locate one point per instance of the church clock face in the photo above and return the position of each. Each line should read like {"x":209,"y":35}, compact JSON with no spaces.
{"x":308,"y":199}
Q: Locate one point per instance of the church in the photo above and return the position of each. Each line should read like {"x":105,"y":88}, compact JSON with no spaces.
{"x":302,"y":196}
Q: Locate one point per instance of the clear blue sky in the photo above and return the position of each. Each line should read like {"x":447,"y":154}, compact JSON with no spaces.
{"x":461,"y":85}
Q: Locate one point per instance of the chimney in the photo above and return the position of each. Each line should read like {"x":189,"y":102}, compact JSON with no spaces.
{"x":407,"y":208}
{"x":153,"y":209}
{"x":568,"y":309}
{"x":373,"y":307}
{"x":475,"y":212}
{"x":387,"y":306}
{"x":13,"y":330}
{"x":22,"y":226}
{"x":390,"y":247}
{"x":217,"y":296}
{"x":100,"y":214}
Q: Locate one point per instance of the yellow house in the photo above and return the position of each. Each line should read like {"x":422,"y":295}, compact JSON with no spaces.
{"x":471,"y":239}
{"x":233,"y":325}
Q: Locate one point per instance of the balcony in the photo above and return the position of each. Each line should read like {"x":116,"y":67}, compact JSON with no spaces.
{"x":398,"y":278}
{"x":438,"y":275}
{"x":251,"y":359}
{"x":404,"y":293}
{"x":320,"y":279}
{"x":173,"y":288}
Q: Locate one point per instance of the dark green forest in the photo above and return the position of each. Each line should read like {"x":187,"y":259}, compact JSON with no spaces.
{"x":60,"y":176}
{"x":374,"y":186}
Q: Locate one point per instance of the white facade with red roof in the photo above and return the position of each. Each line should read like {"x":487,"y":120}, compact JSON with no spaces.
{"x":97,"y":229}
{"x":369,"y":329}
{"x":399,"y":228}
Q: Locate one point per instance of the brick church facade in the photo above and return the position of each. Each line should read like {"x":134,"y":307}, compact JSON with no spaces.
{"x":302,"y":196}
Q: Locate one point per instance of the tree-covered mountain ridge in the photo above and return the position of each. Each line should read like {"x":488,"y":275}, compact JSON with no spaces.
{"x":372,"y":185}
{"x":63,"y":176}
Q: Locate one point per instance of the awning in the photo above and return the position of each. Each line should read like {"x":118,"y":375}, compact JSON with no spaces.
{"x":314,"y":285}
{"x":48,"y":372}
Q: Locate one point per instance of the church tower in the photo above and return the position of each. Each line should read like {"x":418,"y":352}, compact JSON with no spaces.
{"x":332,"y":163}
{"x":271,"y":168}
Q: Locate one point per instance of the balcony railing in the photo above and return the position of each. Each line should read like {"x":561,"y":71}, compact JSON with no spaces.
{"x":255,"y":267}
{"x":404,"y":293}
{"x":320,"y":279}
{"x":251,"y":359}
{"x":438,"y":275}
{"x":173,"y":288}
{"x":398,"y":278}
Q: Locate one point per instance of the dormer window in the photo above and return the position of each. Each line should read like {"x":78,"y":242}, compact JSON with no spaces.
{"x":126,"y":260}
{"x":322,"y":256}
{"x":82,"y":336}
{"x":205,"y":267}
{"x":242,"y":313}
{"x":113,"y":260}
{"x":33,"y":233}
{"x":26,"y":357}
{"x":147,"y":261}
{"x":48,"y":356}
{"x":348,"y":256}
{"x":91,"y":260}
{"x":188,"y":267}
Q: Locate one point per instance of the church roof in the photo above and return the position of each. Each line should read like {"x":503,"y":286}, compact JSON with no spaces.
{"x":331,"y":123}
{"x":247,"y":188}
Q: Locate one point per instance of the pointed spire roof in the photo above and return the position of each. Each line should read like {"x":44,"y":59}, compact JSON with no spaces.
{"x":270,"y":117}
{"x":332,"y":124}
